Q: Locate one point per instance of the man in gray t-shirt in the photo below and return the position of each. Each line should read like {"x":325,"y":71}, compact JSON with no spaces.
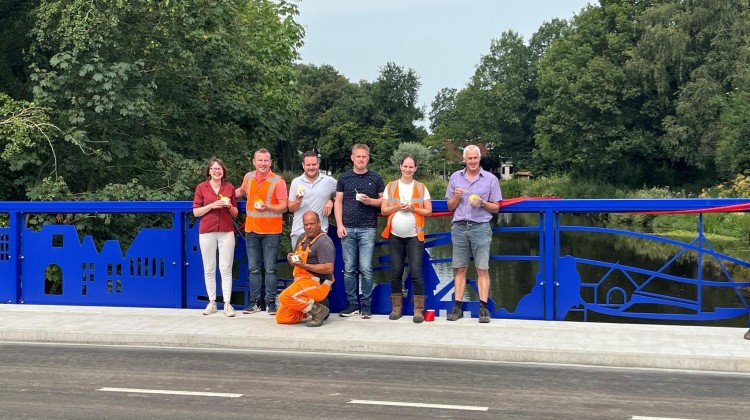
{"x":313,"y":260}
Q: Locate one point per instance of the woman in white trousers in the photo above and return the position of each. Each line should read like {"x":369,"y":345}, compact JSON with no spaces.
{"x":215,"y":204}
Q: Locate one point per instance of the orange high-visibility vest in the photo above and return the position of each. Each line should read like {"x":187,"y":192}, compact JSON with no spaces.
{"x":417,"y":200}
{"x":299,"y":272}
{"x":262,"y":222}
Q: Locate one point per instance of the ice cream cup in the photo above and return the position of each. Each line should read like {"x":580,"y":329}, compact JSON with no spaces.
{"x":225,"y":200}
{"x":359,"y":197}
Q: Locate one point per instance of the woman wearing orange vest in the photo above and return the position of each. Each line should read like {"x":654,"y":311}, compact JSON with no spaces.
{"x":406,"y":202}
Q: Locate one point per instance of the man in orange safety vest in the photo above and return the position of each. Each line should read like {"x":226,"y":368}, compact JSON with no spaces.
{"x":266,"y":204}
{"x":312,"y":259}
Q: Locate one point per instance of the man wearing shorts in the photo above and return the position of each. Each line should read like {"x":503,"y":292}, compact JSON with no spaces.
{"x":473,"y":195}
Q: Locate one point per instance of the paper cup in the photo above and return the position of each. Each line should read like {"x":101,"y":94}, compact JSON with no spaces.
{"x":429,"y":315}
{"x":359,"y":197}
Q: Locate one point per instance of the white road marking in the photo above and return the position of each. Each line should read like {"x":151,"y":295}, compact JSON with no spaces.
{"x":657,"y":418}
{"x":170,"y":392}
{"x":421,"y":405}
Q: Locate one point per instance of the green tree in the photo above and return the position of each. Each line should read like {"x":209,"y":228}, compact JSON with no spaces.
{"x":594,"y":116}
{"x":443,"y":108}
{"x":733,"y":147}
{"x":146,"y":87}
{"x":688,"y":54}
{"x":336,"y":114}
{"x":495,"y":106}
{"x":15,"y":23}
{"x":336,"y":144}
{"x":27,"y":148}
{"x":323,"y":88}
{"x":635,"y":92}
{"x":421,"y":155}
{"x":395,"y":95}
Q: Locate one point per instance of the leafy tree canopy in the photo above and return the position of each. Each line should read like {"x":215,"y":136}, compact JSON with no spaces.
{"x":138,"y":90}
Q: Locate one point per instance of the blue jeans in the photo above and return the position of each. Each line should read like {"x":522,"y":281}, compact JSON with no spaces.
{"x":262,"y":249}
{"x":358,"y":246}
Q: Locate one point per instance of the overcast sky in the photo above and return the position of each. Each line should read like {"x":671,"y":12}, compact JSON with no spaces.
{"x":441,"y":40}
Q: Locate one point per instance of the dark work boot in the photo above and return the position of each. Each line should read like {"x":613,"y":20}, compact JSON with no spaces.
{"x":456,"y":313}
{"x":484,"y":315}
{"x":318,"y":314}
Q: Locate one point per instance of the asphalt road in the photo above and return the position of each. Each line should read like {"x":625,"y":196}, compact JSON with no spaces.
{"x":84,"y":382}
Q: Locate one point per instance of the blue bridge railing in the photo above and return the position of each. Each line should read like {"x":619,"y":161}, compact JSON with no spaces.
{"x":162,"y":266}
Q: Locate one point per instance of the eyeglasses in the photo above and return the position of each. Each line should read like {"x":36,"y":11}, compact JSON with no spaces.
{"x":217,"y":169}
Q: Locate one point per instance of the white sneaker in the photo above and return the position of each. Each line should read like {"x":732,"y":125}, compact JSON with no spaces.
{"x":228,"y":310}
{"x":210,"y":309}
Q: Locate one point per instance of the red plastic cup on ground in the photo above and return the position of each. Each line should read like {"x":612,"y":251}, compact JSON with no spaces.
{"x":429,"y":315}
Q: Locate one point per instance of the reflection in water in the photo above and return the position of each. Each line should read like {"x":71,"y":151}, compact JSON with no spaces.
{"x":672,"y":262}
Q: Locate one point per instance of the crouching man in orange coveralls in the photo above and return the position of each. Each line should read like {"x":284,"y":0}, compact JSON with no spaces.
{"x":313,"y":274}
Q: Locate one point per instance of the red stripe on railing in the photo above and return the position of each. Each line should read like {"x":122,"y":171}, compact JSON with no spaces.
{"x":720,"y":209}
{"x":503,"y":203}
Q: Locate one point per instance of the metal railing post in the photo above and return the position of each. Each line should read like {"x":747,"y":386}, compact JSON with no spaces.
{"x":16,"y":258}
{"x":180,"y":266}
{"x":548,"y":261}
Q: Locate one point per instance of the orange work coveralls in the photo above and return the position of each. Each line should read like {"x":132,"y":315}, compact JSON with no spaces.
{"x":297,"y":299}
